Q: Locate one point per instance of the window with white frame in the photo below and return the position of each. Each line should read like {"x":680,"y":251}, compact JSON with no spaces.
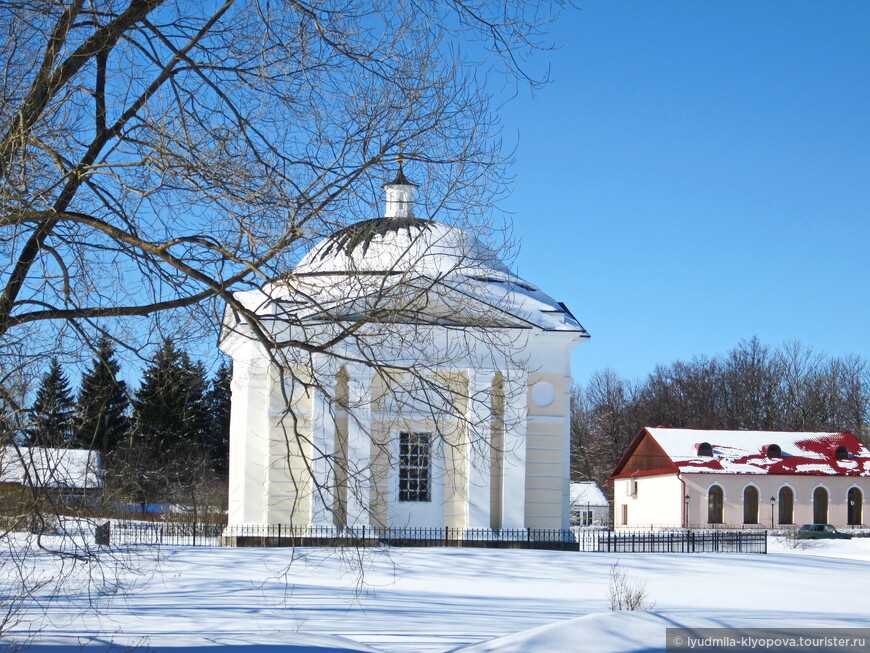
{"x":415,"y":467}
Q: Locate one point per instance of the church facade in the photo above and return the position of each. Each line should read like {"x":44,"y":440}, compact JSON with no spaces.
{"x":417,"y":382}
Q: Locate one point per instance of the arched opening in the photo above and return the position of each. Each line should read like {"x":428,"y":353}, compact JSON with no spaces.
{"x":750,"y":505}
{"x":841,"y":452}
{"x":705,"y":449}
{"x":715,"y":505}
{"x":820,"y":506}
{"x":786,"y":505}
{"x":773,"y":451}
{"x":855,"y":499}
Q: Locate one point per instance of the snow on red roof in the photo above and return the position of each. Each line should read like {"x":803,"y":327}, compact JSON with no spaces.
{"x":746,"y":452}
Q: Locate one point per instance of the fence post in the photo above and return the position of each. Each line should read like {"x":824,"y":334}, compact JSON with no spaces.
{"x":101,"y":534}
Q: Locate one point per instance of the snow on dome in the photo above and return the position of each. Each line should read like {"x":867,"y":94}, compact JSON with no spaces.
{"x":350,"y":261}
{"x":401,"y":244}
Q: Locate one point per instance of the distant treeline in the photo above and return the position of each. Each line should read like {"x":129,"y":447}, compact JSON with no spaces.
{"x":752,"y":387}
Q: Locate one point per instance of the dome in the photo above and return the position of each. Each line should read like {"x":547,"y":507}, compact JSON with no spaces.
{"x":437,"y":274}
{"x":402,"y":244}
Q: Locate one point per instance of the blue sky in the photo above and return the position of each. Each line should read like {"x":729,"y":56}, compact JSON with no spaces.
{"x":697,"y":174}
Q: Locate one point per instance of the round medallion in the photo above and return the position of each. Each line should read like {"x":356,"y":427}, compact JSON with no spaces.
{"x":543,"y":394}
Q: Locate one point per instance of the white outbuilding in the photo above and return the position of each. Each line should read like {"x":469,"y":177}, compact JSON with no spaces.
{"x":417,"y":382}
{"x":73,"y":476}
{"x":589,"y":506}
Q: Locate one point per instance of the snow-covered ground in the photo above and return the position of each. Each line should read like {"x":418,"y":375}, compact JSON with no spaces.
{"x":445,"y":599}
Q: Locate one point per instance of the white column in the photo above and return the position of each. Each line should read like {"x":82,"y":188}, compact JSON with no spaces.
{"x":514,"y":476}
{"x":566,"y":451}
{"x":249,"y":437}
{"x":323,"y":445}
{"x":479,"y":447}
{"x":359,"y":429}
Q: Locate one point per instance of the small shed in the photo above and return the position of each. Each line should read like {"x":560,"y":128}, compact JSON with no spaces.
{"x":73,"y":474}
{"x":589,"y":506}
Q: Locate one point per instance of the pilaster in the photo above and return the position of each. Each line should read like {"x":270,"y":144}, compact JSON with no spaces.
{"x":480,"y":414}
{"x":514,"y":476}
{"x":359,"y":429}
{"x":323,"y":478}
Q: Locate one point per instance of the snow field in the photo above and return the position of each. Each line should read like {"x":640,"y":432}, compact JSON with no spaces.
{"x":436,"y":600}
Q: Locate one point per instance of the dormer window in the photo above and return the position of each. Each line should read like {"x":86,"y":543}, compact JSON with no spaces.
{"x":772,"y":451}
{"x":841,"y":453}
{"x":705,"y":449}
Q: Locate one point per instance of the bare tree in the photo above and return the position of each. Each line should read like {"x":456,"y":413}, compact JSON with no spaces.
{"x":751,"y":387}
{"x":602,"y":424}
{"x":156,"y":158}
{"x":153,"y":158}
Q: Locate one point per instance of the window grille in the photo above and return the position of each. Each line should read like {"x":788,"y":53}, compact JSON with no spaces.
{"x":415,"y":467}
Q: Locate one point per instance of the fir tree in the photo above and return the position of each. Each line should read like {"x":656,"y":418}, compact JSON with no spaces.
{"x":169,"y":408}
{"x":165,"y":446}
{"x":218,"y":429}
{"x":52,"y":412}
{"x":102,"y":403}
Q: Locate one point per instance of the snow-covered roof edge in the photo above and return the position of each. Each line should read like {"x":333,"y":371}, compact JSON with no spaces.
{"x":587,"y":493}
{"x":50,"y":467}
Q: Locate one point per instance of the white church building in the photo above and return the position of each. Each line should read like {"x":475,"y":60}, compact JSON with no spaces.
{"x":417,"y":382}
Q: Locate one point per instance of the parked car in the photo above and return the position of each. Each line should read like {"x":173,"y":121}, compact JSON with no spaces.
{"x":820,"y":532}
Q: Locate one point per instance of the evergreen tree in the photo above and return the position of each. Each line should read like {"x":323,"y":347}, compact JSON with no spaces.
{"x":169,"y":409}
{"x":52,"y":415}
{"x":218,"y":428}
{"x":161,"y":457}
{"x":102,"y":403}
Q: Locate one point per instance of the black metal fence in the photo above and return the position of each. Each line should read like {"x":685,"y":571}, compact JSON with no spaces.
{"x":579,"y":539}
{"x":161,"y":533}
{"x":676,"y":541}
{"x":286,"y":535}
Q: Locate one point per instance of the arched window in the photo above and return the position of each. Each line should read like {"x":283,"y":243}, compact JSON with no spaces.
{"x":841,"y":452}
{"x":855,"y":500}
{"x":715,"y":504}
{"x":773,"y":451}
{"x":705,"y":449}
{"x":786,"y":505}
{"x":820,"y":506}
{"x":750,"y":505}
